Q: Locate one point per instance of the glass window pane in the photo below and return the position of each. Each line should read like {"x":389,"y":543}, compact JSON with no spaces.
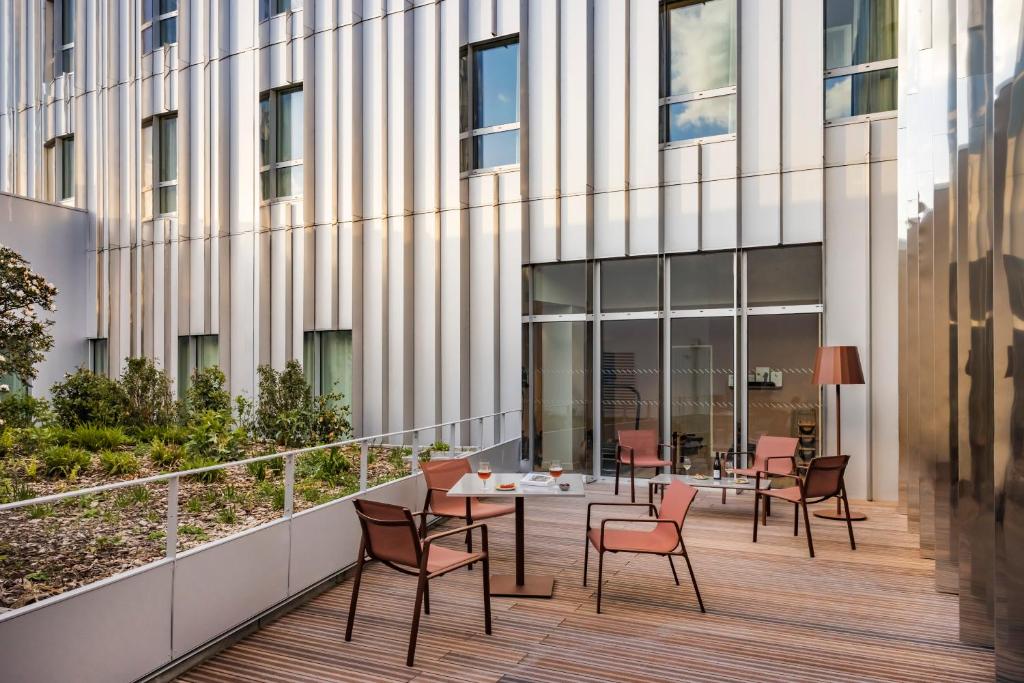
{"x":700,"y":46}
{"x":265,"y":158}
{"x":147,"y":40}
{"x":630,"y":382}
{"x":496,"y":85}
{"x":169,"y":30}
{"x":859,"y":94}
{"x":702,"y":281}
{"x":168,"y":6}
{"x":699,"y":118}
{"x":168,"y":149}
{"x":67,"y":23}
{"x":168,"y":199}
{"x":267,"y":184}
{"x":147,"y":9}
{"x":98,"y":356}
{"x":289,"y":181}
{"x":309,"y":340}
{"x":208,"y":352}
{"x":147,"y":154}
{"x":784,"y":276}
{"x":859,"y":31}
{"x":464,"y":90}
{"x":701,"y":389}
{"x":562,"y":395}
{"x":67,"y":175}
{"x":289,"y":125}
{"x":781,"y":398}
{"x":67,"y":60}
{"x":185,"y":365}
{"x":336,"y":363}
{"x":631,"y":285}
{"x":497,"y":149}
{"x":561,"y":288}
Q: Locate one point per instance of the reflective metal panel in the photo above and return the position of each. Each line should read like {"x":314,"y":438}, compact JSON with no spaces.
{"x":925,"y":361}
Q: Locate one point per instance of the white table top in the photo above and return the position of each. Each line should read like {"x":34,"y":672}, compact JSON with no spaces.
{"x":472,"y":485}
{"x":726,"y":482}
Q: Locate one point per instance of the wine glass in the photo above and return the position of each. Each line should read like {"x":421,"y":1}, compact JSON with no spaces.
{"x":687,"y":464}
{"x":730,"y":467}
{"x":484,"y":471}
{"x":555,"y":469}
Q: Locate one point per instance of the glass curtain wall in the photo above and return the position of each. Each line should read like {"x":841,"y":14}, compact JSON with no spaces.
{"x":630,"y":351}
{"x":702,"y":356}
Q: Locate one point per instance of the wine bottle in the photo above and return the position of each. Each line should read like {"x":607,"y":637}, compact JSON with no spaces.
{"x":716,"y":470}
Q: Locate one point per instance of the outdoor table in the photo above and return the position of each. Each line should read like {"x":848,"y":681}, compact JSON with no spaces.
{"x":723,"y":484}
{"x":519,"y":585}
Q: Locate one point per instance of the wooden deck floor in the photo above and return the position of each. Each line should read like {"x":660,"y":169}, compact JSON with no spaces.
{"x":773,"y":613}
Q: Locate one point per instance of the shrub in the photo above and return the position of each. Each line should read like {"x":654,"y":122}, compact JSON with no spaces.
{"x":64,"y":461}
{"x":330,"y":465}
{"x":119,"y":463}
{"x":161,"y":455}
{"x":331,"y":418}
{"x":195,"y":462}
{"x":26,"y":441}
{"x":173,"y":434}
{"x":22,"y":411}
{"x":287,"y":413}
{"x":147,"y":391}
{"x":213,"y":435}
{"x":93,"y":437}
{"x":258,"y":469}
{"x":207,"y":392}
{"x":13,"y":490}
{"x":85,"y":397}
{"x":439,"y":446}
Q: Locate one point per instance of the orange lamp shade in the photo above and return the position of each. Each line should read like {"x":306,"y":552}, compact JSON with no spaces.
{"x":838,"y":365}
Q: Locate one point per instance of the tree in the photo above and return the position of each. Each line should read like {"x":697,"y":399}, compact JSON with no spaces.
{"x":24,"y":336}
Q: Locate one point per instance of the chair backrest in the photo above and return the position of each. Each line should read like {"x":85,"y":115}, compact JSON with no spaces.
{"x":824,"y":476}
{"x":389,"y":532}
{"x":775,"y":446}
{"x":444,"y":474}
{"x":675,"y":505}
{"x":644,"y":442}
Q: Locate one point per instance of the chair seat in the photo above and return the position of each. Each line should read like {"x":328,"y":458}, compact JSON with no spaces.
{"x":442,"y":558}
{"x":645,"y":461}
{"x":456,"y":507}
{"x":751,"y":472}
{"x":790,"y":493}
{"x":660,"y":540}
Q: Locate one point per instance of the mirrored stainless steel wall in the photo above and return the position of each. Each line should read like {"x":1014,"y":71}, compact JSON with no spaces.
{"x":962,"y":309}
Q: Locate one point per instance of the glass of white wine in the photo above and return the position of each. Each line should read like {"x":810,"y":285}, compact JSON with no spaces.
{"x":687,"y":464}
{"x":730,"y":467}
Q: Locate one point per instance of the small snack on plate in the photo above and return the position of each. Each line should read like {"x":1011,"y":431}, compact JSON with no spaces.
{"x":700,"y":476}
{"x":507,"y":486}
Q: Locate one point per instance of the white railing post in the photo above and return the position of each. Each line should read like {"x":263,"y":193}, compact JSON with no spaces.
{"x":172,"y":518}
{"x":289,"y":485}
{"x":364,"y":460}
{"x":415,"y":463}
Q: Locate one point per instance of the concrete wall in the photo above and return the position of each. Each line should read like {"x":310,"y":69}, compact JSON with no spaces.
{"x":53,"y":240}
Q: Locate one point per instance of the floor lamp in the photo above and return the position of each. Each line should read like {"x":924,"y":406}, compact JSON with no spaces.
{"x":838,"y":365}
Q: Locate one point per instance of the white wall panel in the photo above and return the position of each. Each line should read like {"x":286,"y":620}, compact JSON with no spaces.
{"x":760,"y":86}
{"x":644,"y":167}
{"x":682,"y":217}
{"x":510,"y":261}
{"x":883,"y":380}
{"x":803,"y":206}
{"x":681,"y":164}
{"x":483,"y":298}
{"x":542,"y":122}
{"x":718,"y":160}
{"x":479,"y":20}
{"x":803,"y":25}
{"x":610,"y":134}
{"x":761,"y":211}
{"x":507,"y":16}
{"x":847,"y":144}
{"x":718,"y":214}
{"x":575,"y":129}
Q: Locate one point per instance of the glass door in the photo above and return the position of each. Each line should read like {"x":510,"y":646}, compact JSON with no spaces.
{"x":562,"y":391}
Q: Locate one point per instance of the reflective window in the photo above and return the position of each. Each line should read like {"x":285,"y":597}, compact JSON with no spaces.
{"x":327,"y":361}
{"x":632,"y":284}
{"x":159,"y":24}
{"x":269,"y":8}
{"x":698,"y":69}
{"x":562,"y":393}
{"x":65,"y":149}
{"x":630,"y":382}
{"x":98,"y":355}
{"x":784,"y":276}
{"x":65,"y":46}
{"x":860,"y":57}
{"x":489,"y":109}
{"x":196,"y":352}
{"x":281,"y":144}
{"x":702,"y":281}
{"x":561,"y":288}
{"x":167,"y":156}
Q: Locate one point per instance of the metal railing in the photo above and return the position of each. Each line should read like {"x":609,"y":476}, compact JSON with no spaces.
{"x":498,"y":435}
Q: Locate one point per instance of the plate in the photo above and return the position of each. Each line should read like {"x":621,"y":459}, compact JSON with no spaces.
{"x":509,"y":486}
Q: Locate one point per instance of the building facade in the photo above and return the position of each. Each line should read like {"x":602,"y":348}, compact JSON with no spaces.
{"x":608,"y":212}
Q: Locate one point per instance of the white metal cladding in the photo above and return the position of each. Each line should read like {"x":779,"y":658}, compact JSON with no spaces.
{"x":389,"y":239}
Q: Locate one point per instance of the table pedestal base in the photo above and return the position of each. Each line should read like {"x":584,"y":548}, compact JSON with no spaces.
{"x":504,"y":585}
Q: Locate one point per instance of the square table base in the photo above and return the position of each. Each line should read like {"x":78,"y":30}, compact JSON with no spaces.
{"x":504,"y":585}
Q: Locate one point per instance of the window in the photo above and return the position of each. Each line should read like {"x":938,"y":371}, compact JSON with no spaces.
{"x":281,"y":144}
{"x":561,"y":288}
{"x":327,"y":360}
{"x":160,"y":164}
{"x":159,"y":24}
{"x":490,"y":105}
{"x":860,"y":57}
{"x":196,"y":352}
{"x":698,"y":84}
{"x":62,"y":181}
{"x":98,"y":355}
{"x":270,"y":8}
{"x":64,"y":37}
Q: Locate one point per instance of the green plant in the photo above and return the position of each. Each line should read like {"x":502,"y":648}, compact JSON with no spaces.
{"x":194,"y":462}
{"x":331,"y":418}
{"x":85,"y":397}
{"x":272,"y":492}
{"x":283,"y":412}
{"x":157,"y":536}
{"x":38,"y":576}
{"x":40,"y":511}
{"x":396,"y":456}
{"x":136,"y":495}
{"x":194,"y":505}
{"x":107,"y":542}
{"x":171,"y":434}
{"x":24,"y":334}
{"x":330,"y":465}
{"x":161,"y":455}
{"x":119,"y":463}
{"x":213,"y":436}
{"x":26,"y":441}
{"x":206,"y":392}
{"x":257,"y":469}
{"x":439,"y":446}
{"x":64,"y":461}
{"x":227,"y":516}
{"x":22,"y":410}
{"x":93,"y":437}
{"x":147,"y":391}
{"x":192,"y":530}
{"x":310,"y":493}
{"x":13,"y":490}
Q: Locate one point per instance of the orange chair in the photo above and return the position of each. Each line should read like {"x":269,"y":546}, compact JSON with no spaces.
{"x":664,"y":539}
{"x":823,"y":480}
{"x":390,"y":536}
{"x":774,"y":455}
{"x":440,"y":476}
{"x":637,"y":448}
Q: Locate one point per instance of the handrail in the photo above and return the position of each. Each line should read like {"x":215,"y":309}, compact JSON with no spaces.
{"x":287,"y":455}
